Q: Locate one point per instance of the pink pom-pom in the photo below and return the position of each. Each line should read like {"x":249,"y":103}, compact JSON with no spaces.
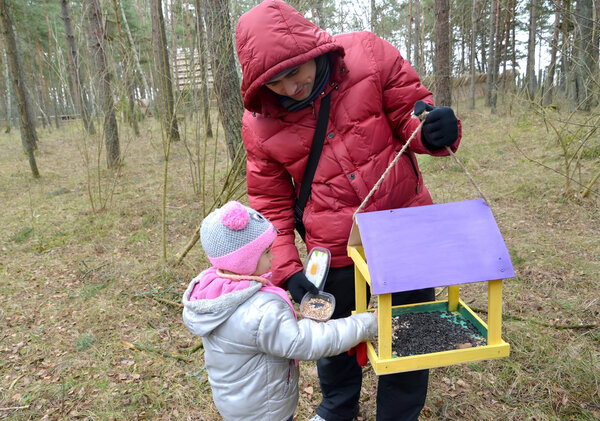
{"x":234,"y":216}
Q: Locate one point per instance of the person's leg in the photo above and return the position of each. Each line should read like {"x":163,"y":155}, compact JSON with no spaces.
{"x":402,"y":396}
{"x":340,"y":376}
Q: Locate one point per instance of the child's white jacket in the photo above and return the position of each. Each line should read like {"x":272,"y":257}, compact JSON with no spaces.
{"x":251,"y":339}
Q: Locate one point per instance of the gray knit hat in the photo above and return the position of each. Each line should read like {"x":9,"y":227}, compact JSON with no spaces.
{"x":234,"y":237}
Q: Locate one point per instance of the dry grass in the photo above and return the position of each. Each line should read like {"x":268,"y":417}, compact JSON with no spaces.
{"x":90,"y":324}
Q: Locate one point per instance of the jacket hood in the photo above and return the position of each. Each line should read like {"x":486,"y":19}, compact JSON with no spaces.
{"x":271,"y":38}
{"x":209,"y":300}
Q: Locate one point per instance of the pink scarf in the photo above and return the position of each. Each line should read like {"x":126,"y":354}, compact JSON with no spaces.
{"x":206,"y":288}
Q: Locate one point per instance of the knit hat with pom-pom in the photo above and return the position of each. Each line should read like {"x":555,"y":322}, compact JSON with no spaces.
{"x":235,"y":236}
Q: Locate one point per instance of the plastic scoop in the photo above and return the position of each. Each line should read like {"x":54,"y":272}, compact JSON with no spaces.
{"x":316,"y":266}
{"x":318,"y":307}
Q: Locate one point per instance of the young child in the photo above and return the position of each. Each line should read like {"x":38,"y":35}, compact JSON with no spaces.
{"x":248,"y":326}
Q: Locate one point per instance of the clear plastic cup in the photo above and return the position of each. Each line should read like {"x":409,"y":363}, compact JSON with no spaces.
{"x":318,"y":307}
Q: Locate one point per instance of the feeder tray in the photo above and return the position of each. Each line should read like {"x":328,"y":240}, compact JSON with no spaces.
{"x":423,"y":247}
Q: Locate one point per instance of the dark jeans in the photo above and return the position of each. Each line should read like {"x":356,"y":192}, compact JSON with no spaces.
{"x":400,"y":397}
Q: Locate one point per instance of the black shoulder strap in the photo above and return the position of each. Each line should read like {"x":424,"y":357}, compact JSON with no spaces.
{"x":315,"y":154}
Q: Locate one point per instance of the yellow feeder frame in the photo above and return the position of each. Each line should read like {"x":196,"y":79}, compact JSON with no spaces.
{"x":381,"y":357}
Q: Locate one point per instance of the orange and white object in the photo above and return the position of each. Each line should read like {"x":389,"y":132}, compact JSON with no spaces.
{"x":316,"y":266}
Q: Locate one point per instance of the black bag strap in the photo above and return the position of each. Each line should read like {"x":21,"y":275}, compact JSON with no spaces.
{"x":315,"y":154}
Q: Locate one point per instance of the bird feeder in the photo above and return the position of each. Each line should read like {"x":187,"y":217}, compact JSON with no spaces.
{"x":441,"y":245}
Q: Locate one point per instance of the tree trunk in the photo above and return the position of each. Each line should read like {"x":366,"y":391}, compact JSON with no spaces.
{"x":43,"y":93}
{"x":103,"y":85}
{"x":28,"y":133}
{"x":509,"y":22}
{"x":6,"y":89}
{"x":484,"y":54}
{"x":514,"y":41}
{"x":202,"y":54}
{"x":55,"y":108}
{"x":585,"y":65}
{"x":596,"y":47}
{"x":409,"y":41}
{"x":77,"y":87}
{"x":50,"y":60}
{"x":318,"y":12}
{"x":530,"y":72}
{"x":491,"y":54}
{"x":463,"y":42}
{"x":441,"y":66}
{"x":472,"y":55}
{"x":225,"y":77}
{"x":549,"y":82}
{"x":495,"y":57}
{"x":127,"y":75}
{"x":561,"y":83}
{"x":374,"y":17}
{"x":164,"y":85}
{"x":38,"y":104}
{"x":418,"y":44}
{"x":136,"y":57}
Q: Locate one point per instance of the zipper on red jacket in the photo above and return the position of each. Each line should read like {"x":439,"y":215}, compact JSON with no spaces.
{"x":312,"y":104}
{"x":415,"y":170}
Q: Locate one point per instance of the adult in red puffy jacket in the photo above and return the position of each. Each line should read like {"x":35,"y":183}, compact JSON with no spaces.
{"x":289,"y":64}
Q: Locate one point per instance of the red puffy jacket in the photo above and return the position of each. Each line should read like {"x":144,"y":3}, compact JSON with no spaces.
{"x":373,"y":92}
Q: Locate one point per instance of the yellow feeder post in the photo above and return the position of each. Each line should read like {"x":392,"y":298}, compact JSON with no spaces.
{"x":448,"y":244}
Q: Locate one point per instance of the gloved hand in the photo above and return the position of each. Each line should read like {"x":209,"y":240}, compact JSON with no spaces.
{"x":361,"y":353}
{"x":298,"y":285}
{"x":440,"y":128}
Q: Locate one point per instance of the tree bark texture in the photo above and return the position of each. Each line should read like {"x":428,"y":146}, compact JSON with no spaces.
{"x":226,"y":80}
{"x":136,"y":57}
{"x":409,"y":37}
{"x":164,"y":84}
{"x":563,"y":82}
{"x":419,"y":37}
{"x":473,"y":53}
{"x":43,"y":92}
{"x":514,"y":36}
{"x":127,"y":74}
{"x":530,"y":79}
{"x":77,"y":87}
{"x":28,"y":133}
{"x":495,"y":57}
{"x":509,"y":21}
{"x":585,"y":64}
{"x":52,"y":77}
{"x":318,"y":12}
{"x":549,"y":82}
{"x":443,"y":94}
{"x":202,"y":55}
{"x":102,"y":78}
{"x":491,"y":53}
{"x":7,"y":92}
{"x":374,"y":17}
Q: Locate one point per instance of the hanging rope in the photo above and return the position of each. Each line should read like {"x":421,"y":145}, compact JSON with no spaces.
{"x":467,"y":174}
{"x":388,"y":169}
{"x":421,"y":117}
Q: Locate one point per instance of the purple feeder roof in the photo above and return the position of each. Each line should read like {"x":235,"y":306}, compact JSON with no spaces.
{"x":433,"y":246}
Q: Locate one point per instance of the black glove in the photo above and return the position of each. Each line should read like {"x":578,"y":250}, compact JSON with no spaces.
{"x":298,"y":285}
{"x":440,"y":128}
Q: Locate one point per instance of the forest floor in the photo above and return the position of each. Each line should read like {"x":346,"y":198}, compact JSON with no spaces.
{"x":90,"y":320}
